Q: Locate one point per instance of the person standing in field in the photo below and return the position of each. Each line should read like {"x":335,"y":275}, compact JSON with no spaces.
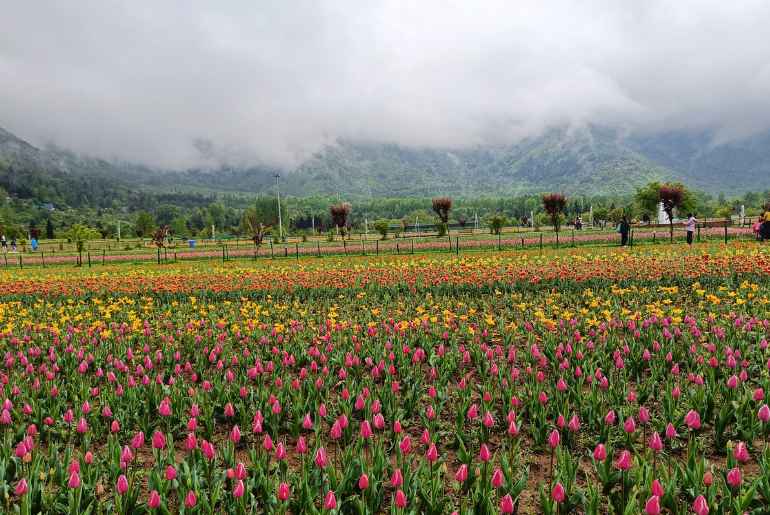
{"x":624,"y":228}
{"x":690,"y":226}
{"x":4,"y":243}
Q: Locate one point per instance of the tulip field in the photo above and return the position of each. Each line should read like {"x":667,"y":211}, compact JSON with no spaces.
{"x":596,"y":381}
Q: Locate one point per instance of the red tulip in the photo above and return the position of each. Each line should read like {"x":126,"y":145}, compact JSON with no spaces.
{"x":283,"y":492}
{"x":122,"y":484}
{"x":401,"y":499}
{"x":497,"y":478}
{"x":363,"y":482}
{"x":190,"y":499}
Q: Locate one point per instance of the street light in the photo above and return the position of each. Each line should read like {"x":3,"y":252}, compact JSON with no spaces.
{"x":278,"y":194}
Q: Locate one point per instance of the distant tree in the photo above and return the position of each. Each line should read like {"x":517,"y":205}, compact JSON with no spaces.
{"x":80,"y":234}
{"x":144,"y":225}
{"x":252,"y":225}
{"x":382,"y":226}
{"x":554,"y":204}
{"x":647,"y":199}
{"x":49,"y":231}
{"x":496,"y":223}
{"x":673,"y":196}
{"x":340,"y":214}
{"x":442,"y":206}
{"x":179,"y":226}
{"x":161,"y":235}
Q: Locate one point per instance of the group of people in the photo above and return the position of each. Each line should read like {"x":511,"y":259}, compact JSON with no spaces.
{"x":624,"y":228}
{"x":762,"y":227}
{"x":4,"y":243}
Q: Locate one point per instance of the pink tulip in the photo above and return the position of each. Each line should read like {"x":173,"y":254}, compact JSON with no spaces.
{"x":692,"y":419}
{"x":283,"y":492}
{"x":301,"y":445}
{"x":600,"y":452}
{"x":74,"y":480}
{"x":652,"y":507}
{"x":190,"y":500}
{"x":366,"y":430}
{"x":21,"y":488}
{"x":158,"y":440}
{"x":700,"y":506}
{"x":657,"y":489}
{"x":363,"y":482}
{"x":122,"y":485}
{"x":153,"y":501}
{"x":239,"y":489}
{"x":630,"y":425}
{"x":484,"y":454}
{"x":432,"y":454}
{"x":506,"y":504}
{"x":656,"y":444}
{"x":397,"y":479}
{"x":405,"y":445}
{"x":671,"y":431}
{"x":235,"y":434}
{"x":554,"y":438}
{"x":741,"y":453}
{"x":138,"y":440}
{"x":170,"y":473}
{"x":557,"y":493}
{"x":401,"y":499}
{"x":320,"y":458}
{"x":764,"y":413}
{"x":330,"y":501}
{"x":462,"y":473}
{"x":624,"y":461}
{"x":497,"y":478}
{"x":734,"y":478}
{"x":574,"y":424}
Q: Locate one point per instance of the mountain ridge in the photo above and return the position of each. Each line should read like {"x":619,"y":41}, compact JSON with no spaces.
{"x":592,"y":160}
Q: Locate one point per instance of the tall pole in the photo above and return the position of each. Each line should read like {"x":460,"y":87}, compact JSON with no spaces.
{"x":278,"y":195}
{"x":118,"y":230}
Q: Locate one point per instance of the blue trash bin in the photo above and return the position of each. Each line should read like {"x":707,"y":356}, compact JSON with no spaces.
{"x":191,"y":243}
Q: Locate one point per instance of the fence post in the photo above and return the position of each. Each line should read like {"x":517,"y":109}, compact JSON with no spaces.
{"x":42,"y":257}
{"x":89,"y":258}
{"x":318,"y":246}
{"x":522,"y":243}
{"x":573,"y":237}
{"x":631,"y":239}
{"x":21,"y":265}
{"x":175,"y":256}
{"x":223,"y":254}
{"x":541,"y":242}
{"x":699,"y":234}
{"x":398,"y":251}
{"x":6,"y":259}
{"x":363,"y":246}
{"x":412,"y":245}
{"x":344,"y":245}
{"x":457,"y":245}
{"x":272,"y":254}
{"x":103,"y":257}
{"x":296,"y":249}
{"x":498,"y":242}
{"x":377,"y":247}
{"x":725,"y":233}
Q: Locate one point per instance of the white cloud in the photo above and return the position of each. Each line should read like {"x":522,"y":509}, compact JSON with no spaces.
{"x":274,"y":81}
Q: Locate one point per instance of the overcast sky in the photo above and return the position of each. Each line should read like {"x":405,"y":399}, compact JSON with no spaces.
{"x":185,"y":83}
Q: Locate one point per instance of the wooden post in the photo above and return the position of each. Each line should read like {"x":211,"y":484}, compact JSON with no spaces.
{"x":344,"y":245}
{"x":21,"y":265}
{"x":363,"y":246}
{"x":699,"y":234}
{"x":398,"y":251}
{"x":522,"y":243}
{"x":725,"y":233}
{"x":296,"y":250}
{"x":498,"y":242}
{"x":541,"y":242}
{"x":318,"y":246}
{"x":223,"y":254}
{"x":377,"y":247}
{"x":103,"y":257}
{"x":42,"y":257}
{"x":412,"y":245}
{"x":457,"y":245}
{"x":573,"y":237}
{"x":89,"y":259}
{"x":272,"y":254}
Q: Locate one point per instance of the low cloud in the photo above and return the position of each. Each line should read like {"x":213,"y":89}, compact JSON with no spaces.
{"x":195,"y":83}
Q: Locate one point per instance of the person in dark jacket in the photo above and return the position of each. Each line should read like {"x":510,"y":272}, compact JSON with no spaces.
{"x":624,"y":228}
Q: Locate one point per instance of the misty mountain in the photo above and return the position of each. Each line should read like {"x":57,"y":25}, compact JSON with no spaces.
{"x":592,"y":160}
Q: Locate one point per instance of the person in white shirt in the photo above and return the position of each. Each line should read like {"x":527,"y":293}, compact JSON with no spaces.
{"x":690,"y":226}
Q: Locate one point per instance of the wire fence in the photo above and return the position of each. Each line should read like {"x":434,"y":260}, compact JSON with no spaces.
{"x":456,"y":243}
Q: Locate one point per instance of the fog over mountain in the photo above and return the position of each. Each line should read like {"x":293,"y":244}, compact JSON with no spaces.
{"x":198,"y":84}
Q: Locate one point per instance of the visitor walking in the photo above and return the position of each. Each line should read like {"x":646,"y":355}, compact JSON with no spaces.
{"x":13,"y":244}
{"x":690,"y":226}
{"x":4,"y":243}
{"x":624,"y":228}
